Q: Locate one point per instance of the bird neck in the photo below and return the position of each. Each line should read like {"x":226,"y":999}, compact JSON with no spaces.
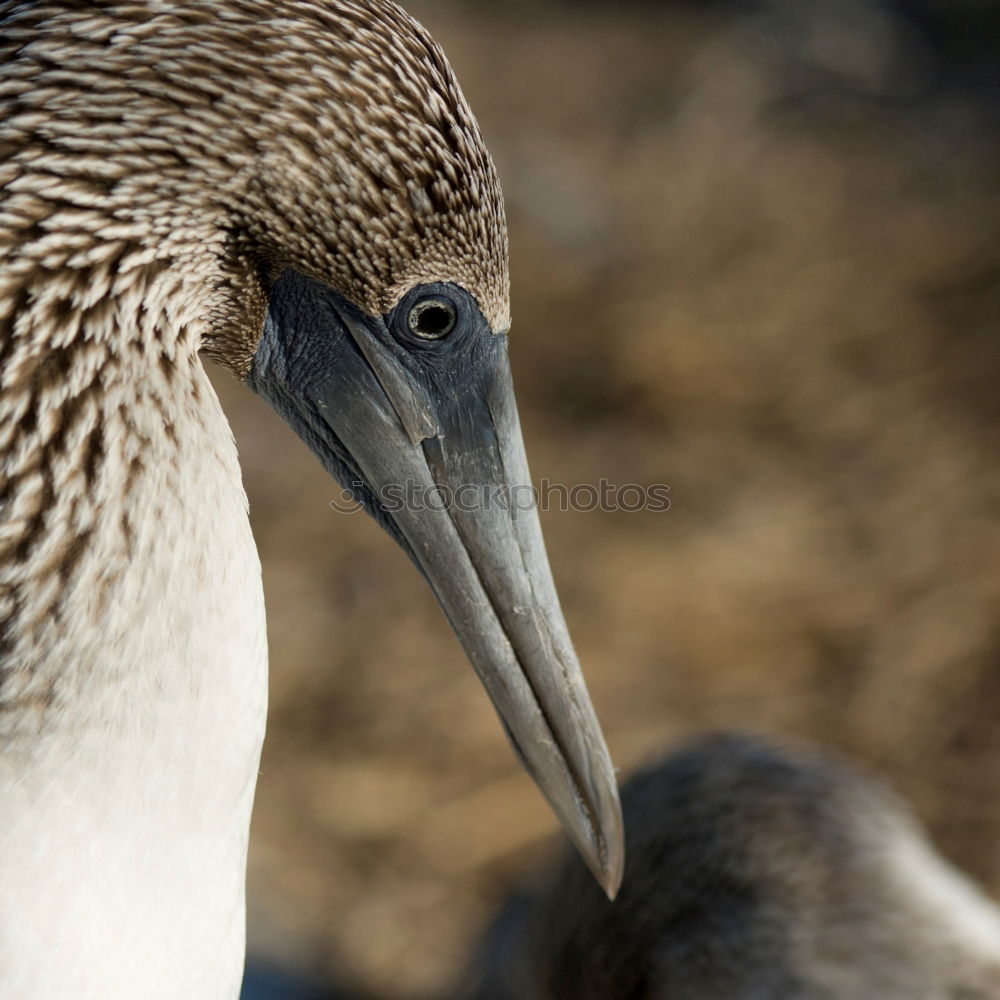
{"x":110,"y":435}
{"x":133,"y":668}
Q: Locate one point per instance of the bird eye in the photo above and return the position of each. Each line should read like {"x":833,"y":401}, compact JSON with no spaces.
{"x":432,"y":318}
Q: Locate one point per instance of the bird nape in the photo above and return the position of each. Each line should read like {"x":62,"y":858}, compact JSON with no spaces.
{"x":298,"y":190}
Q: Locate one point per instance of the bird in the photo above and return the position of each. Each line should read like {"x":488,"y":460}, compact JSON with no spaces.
{"x":757,"y":870}
{"x":298,"y":191}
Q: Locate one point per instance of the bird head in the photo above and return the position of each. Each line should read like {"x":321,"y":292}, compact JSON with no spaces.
{"x":315,"y":164}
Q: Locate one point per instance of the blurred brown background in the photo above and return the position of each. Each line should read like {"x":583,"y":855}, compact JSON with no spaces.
{"x":755,"y":257}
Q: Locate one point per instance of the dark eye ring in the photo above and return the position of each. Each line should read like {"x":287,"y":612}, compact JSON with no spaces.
{"x":432,"y":318}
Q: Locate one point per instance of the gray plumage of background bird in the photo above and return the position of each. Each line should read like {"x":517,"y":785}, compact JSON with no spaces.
{"x":755,"y":871}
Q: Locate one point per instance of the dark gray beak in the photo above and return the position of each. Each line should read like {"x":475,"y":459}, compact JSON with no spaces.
{"x":419,"y":423}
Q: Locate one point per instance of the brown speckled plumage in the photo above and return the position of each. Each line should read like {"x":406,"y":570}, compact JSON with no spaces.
{"x":157,"y":161}
{"x":329,"y":134}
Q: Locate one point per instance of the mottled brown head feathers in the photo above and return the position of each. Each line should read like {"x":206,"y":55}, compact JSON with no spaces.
{"x":233,"y":136}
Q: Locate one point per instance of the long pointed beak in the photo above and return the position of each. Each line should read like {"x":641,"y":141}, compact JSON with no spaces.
{"x":439,"y":457}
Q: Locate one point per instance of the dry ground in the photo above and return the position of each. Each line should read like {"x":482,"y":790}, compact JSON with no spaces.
{"x":776,"y":292}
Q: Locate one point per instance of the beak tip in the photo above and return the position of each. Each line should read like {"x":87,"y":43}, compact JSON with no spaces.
{"x":612,"y":868}
{"x":604,"y":848}
{"x":613,"y":873}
